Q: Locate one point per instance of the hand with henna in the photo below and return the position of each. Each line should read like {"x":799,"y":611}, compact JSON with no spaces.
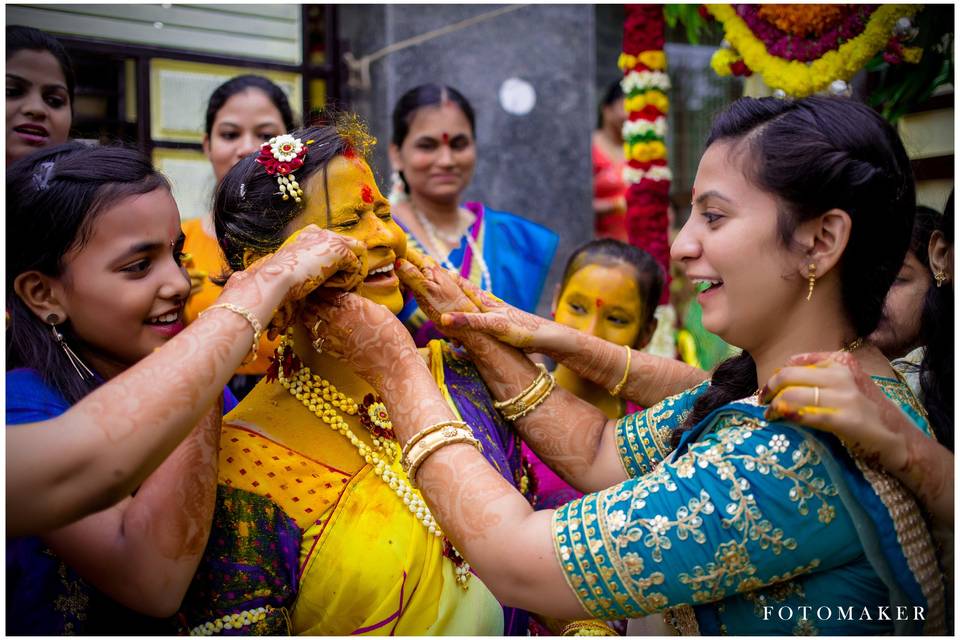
{"x":830,"y":392}
{"x":114,"y":438}
{"x":650,"y":380}
{"x":310,"y":258}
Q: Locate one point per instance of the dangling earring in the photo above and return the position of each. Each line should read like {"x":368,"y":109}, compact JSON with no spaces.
{"x":812,"y":279}
{"x":940,"y":277}
{"x":71,"y":356}
{"x":398,"y":190}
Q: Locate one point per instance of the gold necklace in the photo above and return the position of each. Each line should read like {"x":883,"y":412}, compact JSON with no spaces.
{"x":323,"y":399}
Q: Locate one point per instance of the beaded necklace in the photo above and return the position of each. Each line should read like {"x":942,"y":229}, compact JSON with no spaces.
{"x":325,"y":401}
{"x":486,"y":282}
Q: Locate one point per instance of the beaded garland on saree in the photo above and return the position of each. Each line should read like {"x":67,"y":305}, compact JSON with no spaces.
{"x":306,"y":539}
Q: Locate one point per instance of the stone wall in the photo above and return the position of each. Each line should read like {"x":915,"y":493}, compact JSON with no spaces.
{"x":536,"y":165}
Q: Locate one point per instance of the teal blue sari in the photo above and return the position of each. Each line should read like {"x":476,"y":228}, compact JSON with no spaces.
{"x":752,"y":527}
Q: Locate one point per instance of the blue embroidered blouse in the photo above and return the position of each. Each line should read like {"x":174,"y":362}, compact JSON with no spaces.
{"x":763,"y":527}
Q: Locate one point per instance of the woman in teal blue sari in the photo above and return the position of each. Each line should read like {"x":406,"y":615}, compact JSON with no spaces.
{"x":709,"y":512}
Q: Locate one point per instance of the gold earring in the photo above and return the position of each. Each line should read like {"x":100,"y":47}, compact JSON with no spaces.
{"x":812,"y":278}
{"x":940,"y":277}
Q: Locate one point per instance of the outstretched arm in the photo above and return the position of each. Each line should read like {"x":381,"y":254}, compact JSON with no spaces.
{"x":570,"y":435}
{"x":650,"y":379}
{"x":110,"y":441}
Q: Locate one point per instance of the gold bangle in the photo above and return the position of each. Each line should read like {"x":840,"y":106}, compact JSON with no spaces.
{"x":517,"y":398}
{"x":431,"y":445}
{"x":542,"y":393}
{"x":415,"y":450}
{"x":247,"y":315}
{"x":419,"y":435}
{"x":587,"y":628}
{"x":626,"y":372}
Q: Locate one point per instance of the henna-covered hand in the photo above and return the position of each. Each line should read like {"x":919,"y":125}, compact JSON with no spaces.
{"x":361,"y":332}
{"x":310,"y":258}
{"x":850,"y":405}
{"x":501,"y":321}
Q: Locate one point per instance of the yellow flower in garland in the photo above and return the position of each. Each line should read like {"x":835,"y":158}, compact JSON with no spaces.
{"x":653,"y":97}
{"x":721,"y":61}
{"x":800,"y":79}
{"x":645,"y":151}
{"x":655,"y":60}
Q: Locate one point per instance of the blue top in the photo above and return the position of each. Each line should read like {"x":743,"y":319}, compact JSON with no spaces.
{"x":518,"y":254}
{"x":763,"y":527}
{"x":44,"y":595}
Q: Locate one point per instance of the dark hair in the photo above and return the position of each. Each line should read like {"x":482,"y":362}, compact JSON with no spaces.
{"x":248,"y":212}
{"x":613,"y":93}
{"x":54,"y":197}
{"x":239,"y":84}
{"x":20,"y":38}
{"x":609,"y":252}
{"x":814,"y":155}
{"x":936,"y":332}
{"x":426,"y":95}
{"x":924,"y":224}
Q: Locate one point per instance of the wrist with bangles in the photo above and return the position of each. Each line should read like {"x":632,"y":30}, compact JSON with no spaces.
{"x":428,"y":441}
{"x":247,"y":315}
{"x":528,"y":399}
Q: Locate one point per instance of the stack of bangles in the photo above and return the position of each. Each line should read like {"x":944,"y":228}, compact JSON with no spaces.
{"x":247,"y":315}
{"x":428,"y":441}
{"x":528,"y":399}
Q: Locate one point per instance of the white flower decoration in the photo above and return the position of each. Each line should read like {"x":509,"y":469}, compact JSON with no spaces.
{"x":285,"y":148}
{"x":779,"y":443}
{"x":659,"y":524}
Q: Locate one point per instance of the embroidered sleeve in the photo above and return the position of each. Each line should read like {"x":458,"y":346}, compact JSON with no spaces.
{"x":745,"y":506}
{"x":643,"y":438}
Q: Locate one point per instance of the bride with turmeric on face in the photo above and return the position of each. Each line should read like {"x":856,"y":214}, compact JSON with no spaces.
{"x":317,"y":529}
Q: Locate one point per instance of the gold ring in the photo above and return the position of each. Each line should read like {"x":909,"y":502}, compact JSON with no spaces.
{"x":816,"y":396}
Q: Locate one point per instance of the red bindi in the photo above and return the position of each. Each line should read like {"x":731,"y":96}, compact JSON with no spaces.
{"x":366,"y":193}
{"x":446,"y":137}
{"x":599,"y":302}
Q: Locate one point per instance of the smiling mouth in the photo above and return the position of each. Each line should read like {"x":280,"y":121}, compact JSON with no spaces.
{"x":165,"y":319}
{"x":380,"y":275}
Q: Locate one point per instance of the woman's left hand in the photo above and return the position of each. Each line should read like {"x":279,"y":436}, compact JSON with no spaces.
{"x":361,"y":332}
{"x":830,"y":392}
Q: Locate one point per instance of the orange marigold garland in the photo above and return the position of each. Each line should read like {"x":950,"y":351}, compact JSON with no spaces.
{"x":800,"y":50}
{"x":645,"y":85}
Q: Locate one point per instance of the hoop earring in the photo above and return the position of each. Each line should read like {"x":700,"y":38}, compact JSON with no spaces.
{"x":74,"y":359}
{"x":940,"y":277}
{"x":812,"y":279}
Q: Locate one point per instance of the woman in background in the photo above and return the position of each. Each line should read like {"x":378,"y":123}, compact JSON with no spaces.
{"x":433,"y":150}
{"x":243,"y":113}
{"x":609,"y":290}
{"x":40,"y":86}
{"x":609,"y":188}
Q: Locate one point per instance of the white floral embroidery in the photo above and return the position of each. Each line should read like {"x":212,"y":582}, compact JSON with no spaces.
{"x":779,"y":443}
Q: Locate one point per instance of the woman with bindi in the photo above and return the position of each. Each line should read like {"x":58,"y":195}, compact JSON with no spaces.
{"x":243,"y":113}
{"x":40,"y":85}
{"x":312,"y":501}
{"x":800,"y":224}
{"x":609,"y":290}
{"x":433,"y":151}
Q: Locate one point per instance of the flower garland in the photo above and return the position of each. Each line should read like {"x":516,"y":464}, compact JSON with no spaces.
{"x":645,"y":85}
{"x":793,"y":65}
